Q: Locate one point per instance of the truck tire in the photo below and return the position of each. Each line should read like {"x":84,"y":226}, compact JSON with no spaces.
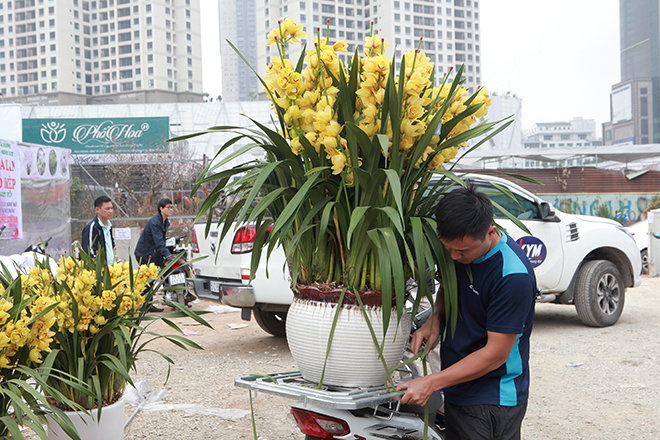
{"x":271,"y":322}
{"x":599,"y":293}
{"x":645,"y":261}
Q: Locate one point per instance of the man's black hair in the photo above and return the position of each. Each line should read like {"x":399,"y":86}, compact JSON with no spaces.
{"x":101,"y":200}
{"x":163,"y":203}
{"x":464,"y":212}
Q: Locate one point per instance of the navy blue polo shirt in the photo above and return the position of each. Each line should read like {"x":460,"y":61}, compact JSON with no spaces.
{"x":500,"y":298}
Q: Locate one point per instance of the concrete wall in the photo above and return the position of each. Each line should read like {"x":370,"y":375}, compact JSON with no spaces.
{"x":125,"y":247}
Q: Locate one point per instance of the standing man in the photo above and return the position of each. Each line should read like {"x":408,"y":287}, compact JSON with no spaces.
{"x":151,"y":247}
{"x":485,"y":362}
{"x":97,"y":233}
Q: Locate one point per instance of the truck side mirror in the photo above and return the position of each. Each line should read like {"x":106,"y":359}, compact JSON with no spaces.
{"x":546,"y":210}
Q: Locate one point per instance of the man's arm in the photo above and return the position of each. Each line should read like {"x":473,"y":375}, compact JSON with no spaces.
{"x":483,"y":361}
{"x":157,"y":233}
{"x":430,"y":331}
{"x":88,"y":244}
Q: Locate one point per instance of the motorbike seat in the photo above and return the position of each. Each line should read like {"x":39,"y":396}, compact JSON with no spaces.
{"x":435,"y":402}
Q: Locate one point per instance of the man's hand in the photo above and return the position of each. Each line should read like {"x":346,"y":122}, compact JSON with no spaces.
{"x":418,"y":391}
{"x":429,"y":332}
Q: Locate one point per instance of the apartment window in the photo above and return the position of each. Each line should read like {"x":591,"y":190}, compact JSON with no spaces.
{"x":644,"y":106}
{"x":148,"y":8}
{"x":149,"y":21}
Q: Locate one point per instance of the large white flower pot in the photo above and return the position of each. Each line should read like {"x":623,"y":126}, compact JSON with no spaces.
{"x":353,"y":358}
{"x":110,"y":426}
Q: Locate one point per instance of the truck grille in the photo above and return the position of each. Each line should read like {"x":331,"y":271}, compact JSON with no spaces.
{"x":573,"y":234}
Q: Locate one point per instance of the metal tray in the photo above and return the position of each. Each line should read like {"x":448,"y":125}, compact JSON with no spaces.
{"x":291,"y":384}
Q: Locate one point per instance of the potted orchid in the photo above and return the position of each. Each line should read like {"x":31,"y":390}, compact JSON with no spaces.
{"x":26,"y":322}
{"x":345,"y":190}
{"x":96,"y":326}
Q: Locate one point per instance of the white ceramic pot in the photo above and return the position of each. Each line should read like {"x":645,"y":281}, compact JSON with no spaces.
{"x":110,"y":426}
{"x":353,"y":359}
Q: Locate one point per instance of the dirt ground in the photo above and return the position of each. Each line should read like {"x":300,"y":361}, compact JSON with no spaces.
{"x":587,"y":383}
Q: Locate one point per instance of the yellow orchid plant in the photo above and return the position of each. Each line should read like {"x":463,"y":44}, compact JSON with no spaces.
{"x":27,"y":320}
{"x":91,"y":322}
{"x":345,"y":187}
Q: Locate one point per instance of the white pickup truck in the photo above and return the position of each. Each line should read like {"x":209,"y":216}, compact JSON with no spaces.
{"x":580,"y":260}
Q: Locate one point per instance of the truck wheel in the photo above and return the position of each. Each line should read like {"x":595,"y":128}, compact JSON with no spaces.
{"x":599,"y":293}
{"x":271,"y":322}
{"x":645,"y":262}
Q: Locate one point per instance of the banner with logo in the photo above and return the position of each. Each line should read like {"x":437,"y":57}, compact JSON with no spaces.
{"x":11,"y":217}
{"x":100,"y":135}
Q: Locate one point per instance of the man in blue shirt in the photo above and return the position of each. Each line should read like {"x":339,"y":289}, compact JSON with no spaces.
{"x":485,"y":362}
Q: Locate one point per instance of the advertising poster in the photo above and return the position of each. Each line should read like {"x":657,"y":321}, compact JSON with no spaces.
{"x":11,"y":218}
{"x":43,"y":162}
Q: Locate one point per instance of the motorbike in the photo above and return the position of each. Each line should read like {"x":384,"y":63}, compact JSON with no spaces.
{"x":35,"y":253}
{"x":355,"y":413}
{"x":177,"y":283}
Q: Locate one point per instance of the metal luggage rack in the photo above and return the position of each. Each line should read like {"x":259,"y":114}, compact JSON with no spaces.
{"x":291,"y":384}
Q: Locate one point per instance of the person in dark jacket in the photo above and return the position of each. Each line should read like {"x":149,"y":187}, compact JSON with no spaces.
{"x":97,"y":233}
{"x":151,"y":247}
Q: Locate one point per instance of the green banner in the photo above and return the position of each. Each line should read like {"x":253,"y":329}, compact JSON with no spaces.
{"x":100,"y":135}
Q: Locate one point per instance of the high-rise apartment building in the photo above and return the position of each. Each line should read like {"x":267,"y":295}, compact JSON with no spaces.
{"x":61,"y":52}
{"x":238,"y":24}
{"x":635,"y":101}
{"x":447,"y":29}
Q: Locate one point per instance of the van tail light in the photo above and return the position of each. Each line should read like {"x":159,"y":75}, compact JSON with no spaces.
{"x":244,"y":239}
{"x":195,"y":243}
{"x":319,"y":425}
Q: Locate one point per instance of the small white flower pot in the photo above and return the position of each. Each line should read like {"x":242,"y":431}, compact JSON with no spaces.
{"x":109,"y":427}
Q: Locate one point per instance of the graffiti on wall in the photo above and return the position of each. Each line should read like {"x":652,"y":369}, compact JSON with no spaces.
{"x":633,"y":205}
